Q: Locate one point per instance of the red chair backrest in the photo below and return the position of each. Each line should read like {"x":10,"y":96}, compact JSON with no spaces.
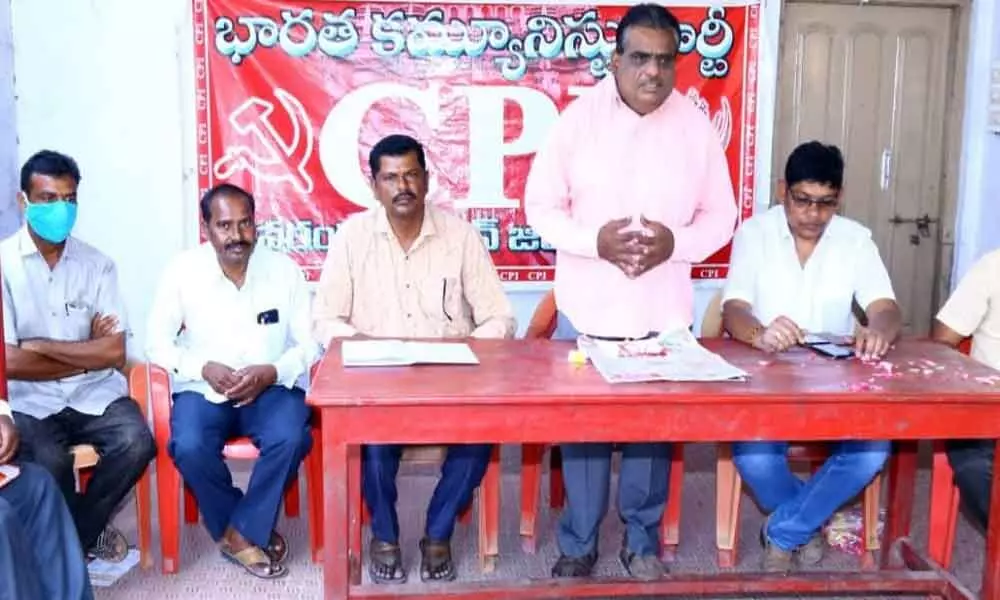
{"x":543,"y":321}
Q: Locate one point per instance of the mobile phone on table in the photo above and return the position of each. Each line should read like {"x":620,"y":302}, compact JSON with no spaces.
{"x":8,"y":473}
{"x":835,"y":351}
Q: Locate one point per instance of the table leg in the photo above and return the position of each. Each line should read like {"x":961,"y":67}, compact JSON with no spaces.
{"x":353,"y":492}
{"x":336,"y":565}
{"x":902,"y":472}
{"x":991,"y":565}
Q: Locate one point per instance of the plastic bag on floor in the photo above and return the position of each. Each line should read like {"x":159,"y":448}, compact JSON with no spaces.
{"x":845,"y":530}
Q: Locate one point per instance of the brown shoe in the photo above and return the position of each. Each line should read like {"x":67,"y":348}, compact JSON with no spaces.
{"x":775,"y":560}
{"x":812,"y":552}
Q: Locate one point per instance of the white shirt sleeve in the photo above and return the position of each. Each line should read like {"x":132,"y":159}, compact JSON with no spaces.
{"x":744,"y":265}
{"x":969,"y":305}
{"x":303,"y":350}
{"x":4,"y":408}
{"x":165,"y":319}
{"x":871,"y":277}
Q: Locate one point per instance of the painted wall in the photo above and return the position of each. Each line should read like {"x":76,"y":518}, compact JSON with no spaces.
{"x":9,"y":215}
{"x":978,"y":223}
{"x":121,"y":104}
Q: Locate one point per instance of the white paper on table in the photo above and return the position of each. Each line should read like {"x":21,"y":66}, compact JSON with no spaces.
{"x":673,"y":356}
{"x":392,"y":353}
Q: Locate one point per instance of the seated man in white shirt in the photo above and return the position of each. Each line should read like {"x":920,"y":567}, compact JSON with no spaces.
{"x":64,"y":329}
{"x":974,"y":310}
{"x":409,"y":270}
{"x":795,"y":270}
{"x":40,"y":555}
{"x":231,"y":321}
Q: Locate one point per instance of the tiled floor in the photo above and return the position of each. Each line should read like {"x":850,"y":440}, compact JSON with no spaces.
{"x":205,"y":576}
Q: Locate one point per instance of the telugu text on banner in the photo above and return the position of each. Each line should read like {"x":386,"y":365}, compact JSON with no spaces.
{"x":291,"y":96}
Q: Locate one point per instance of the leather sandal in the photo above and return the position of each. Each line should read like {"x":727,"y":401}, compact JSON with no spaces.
{"x":385,"y":562}
{"x":254,"y":561}
{"x":435,"y":561}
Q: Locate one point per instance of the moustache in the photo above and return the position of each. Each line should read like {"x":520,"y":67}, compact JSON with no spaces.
{"x":236,"y":245}
{"x":403,"y":196}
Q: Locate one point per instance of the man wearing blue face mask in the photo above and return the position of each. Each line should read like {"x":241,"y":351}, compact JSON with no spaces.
{"x":64,"y":331}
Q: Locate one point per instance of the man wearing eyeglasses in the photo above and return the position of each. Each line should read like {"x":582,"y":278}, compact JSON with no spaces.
{"x":631,"y":187}
{"x":796,"y":271}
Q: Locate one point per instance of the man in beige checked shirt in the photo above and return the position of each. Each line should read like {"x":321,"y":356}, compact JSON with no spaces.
{"x":409,"y":270}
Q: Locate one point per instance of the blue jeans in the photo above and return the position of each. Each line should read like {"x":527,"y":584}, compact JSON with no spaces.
{"x":40,"y":554}
{"x":798,"y":509}
{"x":278,"y":424}
{"x":642,"y":488}
{"x":461,"y":474}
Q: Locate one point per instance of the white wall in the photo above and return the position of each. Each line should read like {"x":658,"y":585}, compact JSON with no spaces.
{"x":9,"y":215}
{"x":104,"y":83}
{"x":978,"y":223}
{"x":117,"y":96}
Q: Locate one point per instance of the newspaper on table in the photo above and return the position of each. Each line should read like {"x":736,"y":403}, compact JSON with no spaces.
{"x":672,"y":356}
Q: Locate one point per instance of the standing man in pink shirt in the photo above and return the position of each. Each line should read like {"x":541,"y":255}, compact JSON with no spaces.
{"x":631,"y":188}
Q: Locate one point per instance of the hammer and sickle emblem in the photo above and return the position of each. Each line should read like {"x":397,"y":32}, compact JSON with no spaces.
{"x":264,"y":153}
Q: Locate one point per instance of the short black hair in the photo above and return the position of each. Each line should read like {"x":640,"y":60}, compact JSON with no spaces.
{"x":224,"y":189}
{"x":50,"y":163}
{"x":648,"y":15}
{"x":395,"y":145}
{"x":817,"y":162}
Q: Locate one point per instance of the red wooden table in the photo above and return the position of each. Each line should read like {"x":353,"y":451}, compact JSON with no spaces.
{"x":527,"y":392}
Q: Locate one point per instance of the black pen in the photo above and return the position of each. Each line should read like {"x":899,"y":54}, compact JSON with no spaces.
{"x":444,"y":293}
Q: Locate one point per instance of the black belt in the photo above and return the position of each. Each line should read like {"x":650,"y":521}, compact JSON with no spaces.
{"x":648,"y":336}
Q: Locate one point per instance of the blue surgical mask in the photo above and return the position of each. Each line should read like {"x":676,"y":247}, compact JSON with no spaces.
{"x":52,"y":221}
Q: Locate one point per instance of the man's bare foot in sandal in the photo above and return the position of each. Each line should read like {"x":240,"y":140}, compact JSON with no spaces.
{"x":435,"y":561}
{"x":385,"y":562}
{"x":254,"y":560}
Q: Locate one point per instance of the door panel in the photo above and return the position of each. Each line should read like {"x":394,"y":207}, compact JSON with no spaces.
{"x":871,"y":79}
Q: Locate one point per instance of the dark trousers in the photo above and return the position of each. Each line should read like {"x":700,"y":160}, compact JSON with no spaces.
{"x":123,"y":441}
{"x":278,"y":424}
{"x":40,"y":554}
{"x":972,"y":462}
{"x":642,"y":495}
{"x":461,"y":474}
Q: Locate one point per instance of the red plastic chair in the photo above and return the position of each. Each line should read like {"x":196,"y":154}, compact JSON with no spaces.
{"x":542,"y":326}
{"x":153,"y":382}
{"x":944,"y":499}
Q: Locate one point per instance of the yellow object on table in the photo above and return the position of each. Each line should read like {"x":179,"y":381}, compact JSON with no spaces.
{"x":577,"y":357}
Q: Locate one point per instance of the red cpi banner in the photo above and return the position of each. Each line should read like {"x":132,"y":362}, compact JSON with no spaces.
{"x":291,"y":96}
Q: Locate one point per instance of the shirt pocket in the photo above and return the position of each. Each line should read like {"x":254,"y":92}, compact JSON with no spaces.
{"x":79,"y":316}
{"x":271,"y":337}
{"x":442,"y":302}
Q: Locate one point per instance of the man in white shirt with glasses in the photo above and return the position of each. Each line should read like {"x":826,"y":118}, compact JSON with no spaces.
{"x":796,"y":271}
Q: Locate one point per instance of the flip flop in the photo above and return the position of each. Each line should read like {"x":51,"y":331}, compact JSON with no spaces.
{"x":435,"y":561}
{"x":254,"y":561}
{"x":385,"y":562}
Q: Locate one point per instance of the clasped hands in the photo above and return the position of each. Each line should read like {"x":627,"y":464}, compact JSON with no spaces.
{"x":783,"y":333}
{"x":635,"y":251}
{"x":242,"y":386}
